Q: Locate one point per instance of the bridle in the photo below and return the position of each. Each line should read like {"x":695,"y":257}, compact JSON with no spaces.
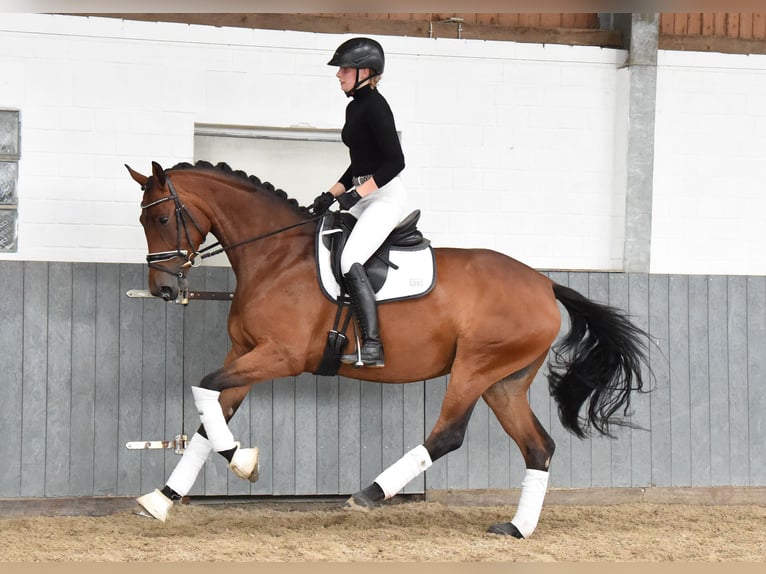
{"x":195,"y":258}
{"x":182,"y":215}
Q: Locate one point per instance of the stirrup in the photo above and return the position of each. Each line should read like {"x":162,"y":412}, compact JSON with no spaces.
{"x":358,"y":358}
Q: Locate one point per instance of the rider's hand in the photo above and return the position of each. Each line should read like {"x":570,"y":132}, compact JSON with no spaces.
{"x":322,"y":203}
{"x":349,"y":199}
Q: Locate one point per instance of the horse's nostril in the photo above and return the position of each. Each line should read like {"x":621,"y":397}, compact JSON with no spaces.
{"x":166,"y":293}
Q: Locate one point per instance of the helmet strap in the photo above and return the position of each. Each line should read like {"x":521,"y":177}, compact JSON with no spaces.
{"x":353,"y":90}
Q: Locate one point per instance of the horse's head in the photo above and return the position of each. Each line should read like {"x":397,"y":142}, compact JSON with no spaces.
{"x":173,"y":235}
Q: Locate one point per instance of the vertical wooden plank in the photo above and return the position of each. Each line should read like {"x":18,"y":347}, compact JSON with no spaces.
{"x":581,"y":452}
{"x":759,"y":26}
{"x":530,"y":20}
{"x":719,"y":24}
{"x":283,"y":479}
{"x":619,"y":298}
{"x":328,"y":428}
{"x":35,"y":364}
{"x":550,"y":20}
{"x":349,"y":435}
{"x":732,"y":25}
{"x":499,"y":453}
{"x":194,"y":369}
{"x":680,"y":24}
{"x":708,"y":24}
{"x":11,"y":389}
{"x":152,"y":385}
{"x":174,"y":416}
{"x":680,"y":419}
{"x":667,"y":22}
{"x":413,"y":426}
{"x":436,"y":476}
{"x":261,"y":400}
{"x":718,"y":360}
{"x":107,"y":369}
{"x":699,"y":372}
{"x":561,"y":467}
{"x":371,"y":431}
{"x":476,"y":444}
{"x":508,"y":19}
{"x":82,"y":440}
{"x":59,"y":405}
{"x":694,"y":24}
{"x":392,"y":424}
{"x":216,"y":345}
{"x":241,"y":424}
{"x":738,"y":392}
{"x":306,"y":434}
{"x":746,"y":26}
{"x":601,"y":447}
{"x":130,"y":373}
{"x":659,"y":312}
{"x":756,"y":376}
{"x":640,"y":438}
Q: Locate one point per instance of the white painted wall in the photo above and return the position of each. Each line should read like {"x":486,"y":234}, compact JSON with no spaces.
{"x":710,"y":164}
{"x":515,"y":147}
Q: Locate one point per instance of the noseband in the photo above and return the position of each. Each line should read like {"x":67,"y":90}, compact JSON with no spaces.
{"x":182,"y":216}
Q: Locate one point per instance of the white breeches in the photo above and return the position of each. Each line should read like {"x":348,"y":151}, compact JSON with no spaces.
{"x":377,"y":215}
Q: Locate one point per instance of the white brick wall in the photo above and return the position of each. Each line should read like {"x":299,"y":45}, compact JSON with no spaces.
{"x":515,"y":147}
{"x":709,"y":178}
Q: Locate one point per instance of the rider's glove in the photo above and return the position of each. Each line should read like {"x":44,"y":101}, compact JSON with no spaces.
{"x":322,"y":203}
{"x":349,"y":199}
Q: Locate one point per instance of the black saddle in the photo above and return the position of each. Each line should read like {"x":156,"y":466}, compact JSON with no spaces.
{"x":404,"y":237}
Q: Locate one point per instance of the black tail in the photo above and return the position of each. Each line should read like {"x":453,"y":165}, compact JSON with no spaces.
{"x":599,"y":358}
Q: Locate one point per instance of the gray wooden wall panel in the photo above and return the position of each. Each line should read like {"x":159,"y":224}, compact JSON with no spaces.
{"x":756,"y":376}
{"x":34,"y":303}
{"x":11,"y":390}
{"x":105,"y":369}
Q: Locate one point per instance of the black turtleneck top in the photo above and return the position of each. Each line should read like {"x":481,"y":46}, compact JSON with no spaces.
{"x":370,"y":134}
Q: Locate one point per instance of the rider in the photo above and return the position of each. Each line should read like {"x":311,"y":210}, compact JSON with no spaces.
{"x":370,"y":189}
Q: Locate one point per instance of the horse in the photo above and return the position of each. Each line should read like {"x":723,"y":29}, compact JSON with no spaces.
{"x":489,"y":323}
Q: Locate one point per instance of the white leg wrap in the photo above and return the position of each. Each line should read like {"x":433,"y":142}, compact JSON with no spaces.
{"x":186,"y":471}
{"x":211,"y":416}
{"x":533,"y":489}
{"x":396,"y":476}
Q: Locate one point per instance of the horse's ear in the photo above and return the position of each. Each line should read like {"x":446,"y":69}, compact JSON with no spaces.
{"x":159,"y":173}
{"x":140,"y":179}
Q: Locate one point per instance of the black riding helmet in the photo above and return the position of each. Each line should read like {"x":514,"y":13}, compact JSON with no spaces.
{"x":359,"y":53}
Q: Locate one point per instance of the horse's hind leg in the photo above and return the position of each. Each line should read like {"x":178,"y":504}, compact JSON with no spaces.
{"x":508,"y":400}
{"x":446,"y":436}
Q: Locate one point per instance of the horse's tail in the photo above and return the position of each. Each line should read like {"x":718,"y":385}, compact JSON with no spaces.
{"x":599,"y":358}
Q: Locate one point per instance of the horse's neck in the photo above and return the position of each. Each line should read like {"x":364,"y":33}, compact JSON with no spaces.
{"x":242,"y":220}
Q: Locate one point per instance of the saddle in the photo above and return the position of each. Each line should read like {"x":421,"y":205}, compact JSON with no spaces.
{"x":403,"y":267}
{"x":404,"y":237}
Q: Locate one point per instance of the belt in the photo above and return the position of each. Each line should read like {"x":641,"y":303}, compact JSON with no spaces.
{"x":357,"y":181}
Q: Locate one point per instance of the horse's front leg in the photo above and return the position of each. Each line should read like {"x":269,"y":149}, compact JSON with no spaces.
{"x":217,"y":399}
{"x":159,"y":502}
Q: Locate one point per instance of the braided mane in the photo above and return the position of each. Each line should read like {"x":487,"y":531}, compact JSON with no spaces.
{"x":251,"y":179}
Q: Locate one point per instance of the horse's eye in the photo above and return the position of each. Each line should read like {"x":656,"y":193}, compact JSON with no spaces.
{"x":164,"y":219}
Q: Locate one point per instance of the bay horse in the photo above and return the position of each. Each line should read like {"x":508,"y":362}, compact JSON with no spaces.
{"x":489,"y":323}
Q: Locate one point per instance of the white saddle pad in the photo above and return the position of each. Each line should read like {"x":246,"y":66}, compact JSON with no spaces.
{"x":415,"y":276}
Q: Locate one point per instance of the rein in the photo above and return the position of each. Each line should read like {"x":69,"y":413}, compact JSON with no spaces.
{"x":181,"y":212}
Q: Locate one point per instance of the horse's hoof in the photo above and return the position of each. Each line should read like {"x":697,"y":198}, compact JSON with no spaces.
{"x":359,"y":502}
{"x":156,"y":505}
{"x":506,"y":528}
{"x":244,"y":463}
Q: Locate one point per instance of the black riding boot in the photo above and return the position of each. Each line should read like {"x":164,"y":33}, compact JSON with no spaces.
{"x":366,"y":311}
